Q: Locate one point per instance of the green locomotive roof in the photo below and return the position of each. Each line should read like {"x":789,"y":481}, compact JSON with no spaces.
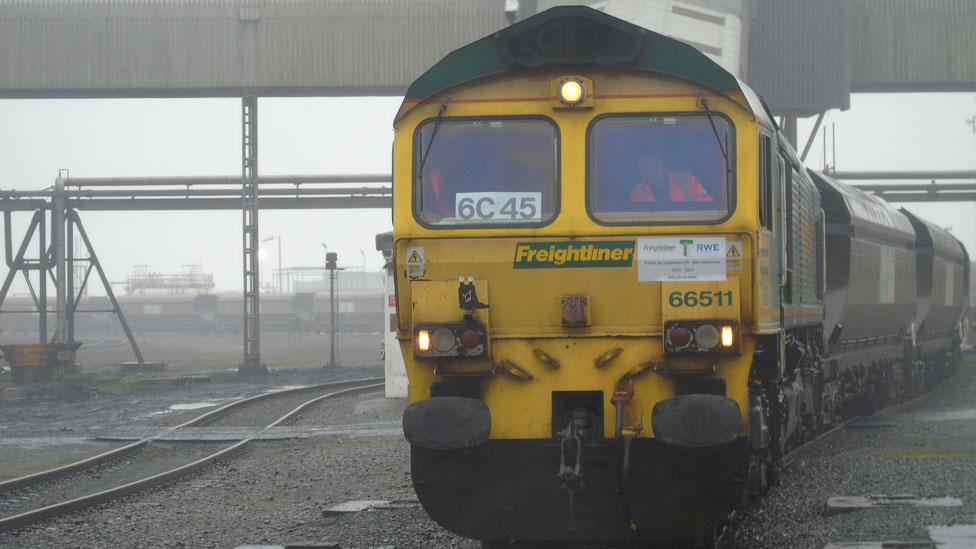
{"x":572,"y":36}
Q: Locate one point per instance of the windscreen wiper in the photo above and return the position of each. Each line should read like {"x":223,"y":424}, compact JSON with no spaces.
{"x":724,"y":149}
{"x":437,"y":126}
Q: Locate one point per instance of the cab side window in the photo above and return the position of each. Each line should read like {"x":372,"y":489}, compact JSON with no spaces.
{"x":765,"y":183}
{"x":782,"y":206}
{"x":790,"y":187}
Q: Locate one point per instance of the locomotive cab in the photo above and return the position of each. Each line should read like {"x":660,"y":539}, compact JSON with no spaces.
{"x":598,"y":244}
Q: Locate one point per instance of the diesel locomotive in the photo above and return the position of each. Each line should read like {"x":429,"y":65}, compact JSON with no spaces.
{"x":622,"y":299}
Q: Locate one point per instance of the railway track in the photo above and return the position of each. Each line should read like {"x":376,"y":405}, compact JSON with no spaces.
{"x":152,"y":461}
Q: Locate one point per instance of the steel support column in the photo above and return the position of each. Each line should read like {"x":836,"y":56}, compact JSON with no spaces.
{"x":58,"y":210}
{"x":42,"y":265}
{"x":251,"y":243}
{"x":70,"y":280}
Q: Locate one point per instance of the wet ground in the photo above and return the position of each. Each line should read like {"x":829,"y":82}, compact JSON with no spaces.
{"x":192,"y":353}
{"x":186,"y":353}
{"x":49,"y":424}
{"x":907,"y":474}
{"x":276,"y":491}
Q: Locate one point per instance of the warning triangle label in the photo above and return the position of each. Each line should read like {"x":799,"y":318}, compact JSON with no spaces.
{"x":733,"y":251}
{"x":414,"y":257}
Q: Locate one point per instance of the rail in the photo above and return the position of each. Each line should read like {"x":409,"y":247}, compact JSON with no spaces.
{"x":22,"y":519}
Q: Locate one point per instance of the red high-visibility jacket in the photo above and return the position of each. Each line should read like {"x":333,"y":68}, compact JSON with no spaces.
{"x":691,"y":191}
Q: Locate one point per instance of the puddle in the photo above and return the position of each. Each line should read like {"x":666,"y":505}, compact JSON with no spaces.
{"x":946,"y":416}
{"x":192,"y":406}
{"x":870,"y":425}
{"x":919,"y":417}
{"x":184,"y":407}
{"x":931,"y":454}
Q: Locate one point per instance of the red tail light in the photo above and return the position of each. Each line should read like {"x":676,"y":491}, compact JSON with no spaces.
{"x":679,"y":337}
{"x":470,"y":339}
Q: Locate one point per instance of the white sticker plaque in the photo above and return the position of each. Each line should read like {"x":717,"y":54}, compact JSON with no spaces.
{"x":493,"y":207}
{"x":679,"y":258}
{"x":416,"y":262}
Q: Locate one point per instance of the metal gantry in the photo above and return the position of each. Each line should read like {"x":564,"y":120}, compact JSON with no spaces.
{"x":57,"y":262}
{"x":71,"y":195}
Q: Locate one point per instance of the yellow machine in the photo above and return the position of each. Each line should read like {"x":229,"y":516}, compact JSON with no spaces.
{"x":587,"y":256}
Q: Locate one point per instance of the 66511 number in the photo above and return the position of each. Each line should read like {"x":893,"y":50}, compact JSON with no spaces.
{"x":700,"y":298}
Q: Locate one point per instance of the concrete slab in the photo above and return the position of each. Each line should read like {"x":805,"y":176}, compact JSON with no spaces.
{"x":324,"y":545}
{"x":354,"y":506}
{"x":360,"y":505}
{"x":841,"y":504}
{"x":380,"y":405}
{"x":957,"y":536}
{"x":396,"y":504}
{"x":891,"y":544}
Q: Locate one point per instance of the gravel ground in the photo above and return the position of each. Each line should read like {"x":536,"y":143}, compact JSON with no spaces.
{"x":266,"y":411}
{"x":926,"y":449}
{"x":50,"y":424}
{"x":150,"y":460}
{"x":185,"y":353}
{"x":22,"y":456}
{"x":340,"y":411}
{"x":276,"y":491}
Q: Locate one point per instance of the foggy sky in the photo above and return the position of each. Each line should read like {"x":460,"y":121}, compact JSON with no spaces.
{"x":169,"y":137}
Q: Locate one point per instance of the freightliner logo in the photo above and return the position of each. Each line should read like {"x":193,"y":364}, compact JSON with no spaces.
{"x":565,"y":255}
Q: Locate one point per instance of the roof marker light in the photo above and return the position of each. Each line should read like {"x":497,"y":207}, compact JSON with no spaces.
{"x":572,"y":92}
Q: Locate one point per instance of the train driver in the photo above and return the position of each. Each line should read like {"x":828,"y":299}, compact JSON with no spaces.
{"x":440,"y":201}
{"x":658,"y":185}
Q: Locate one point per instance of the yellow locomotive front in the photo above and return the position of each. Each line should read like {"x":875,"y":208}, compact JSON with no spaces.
{"x":582,"y":272}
